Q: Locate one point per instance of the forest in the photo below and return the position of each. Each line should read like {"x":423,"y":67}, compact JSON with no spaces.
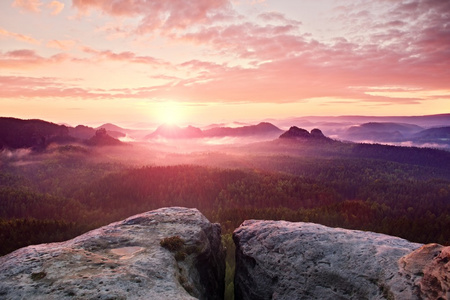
{"x":47,"y":197}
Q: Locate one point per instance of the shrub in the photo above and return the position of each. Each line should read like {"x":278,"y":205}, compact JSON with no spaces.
{"x":173,"y":243}
{"x":37,"y":276}
{"x":180,"y":255}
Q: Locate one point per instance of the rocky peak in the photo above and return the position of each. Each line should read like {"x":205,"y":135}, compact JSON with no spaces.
{"x":102,"y":138}
{"x":317,"y":133}
{"x":302,"y":134}
{"x":169,"y":253}
{"x":295,"y":132}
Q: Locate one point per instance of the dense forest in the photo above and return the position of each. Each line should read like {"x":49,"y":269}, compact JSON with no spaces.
{"x":54,"y":197}
{"x":73,"y":195}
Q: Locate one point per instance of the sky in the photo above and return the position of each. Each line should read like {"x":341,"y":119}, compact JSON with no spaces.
{"x":208,"y":61}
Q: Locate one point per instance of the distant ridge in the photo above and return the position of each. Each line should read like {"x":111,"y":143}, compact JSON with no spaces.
{"x":437,"y":120}
{"x":381,"y":132}
{"x":176,"y":132}
{"x":263,"y":128}
{"x":111,"y":127}
{"x":439,"y":135}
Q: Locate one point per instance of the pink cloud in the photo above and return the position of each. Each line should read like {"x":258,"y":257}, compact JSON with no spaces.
{"x":31,"y":87}
{"x":56,"y":7}
{"x":25,"y":58}
{"x":281,"y":63}
{"x":61,"y":44}
{"x":18,"y":36}
{"x":28,"y":5}
{"x":278,"y":17}
{"x":126,"y":56}
{"x":47,"y":87}
{"x":159,"y":13}
{"x":398,"y":52}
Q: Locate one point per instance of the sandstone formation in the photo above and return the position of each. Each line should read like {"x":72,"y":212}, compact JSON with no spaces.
{"x":283,"y":260}
{"x":301,"y":134}
{"x":432,"y":263}
{"x":124,"y":260}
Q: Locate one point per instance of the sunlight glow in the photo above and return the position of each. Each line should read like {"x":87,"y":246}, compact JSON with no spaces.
{"x":170,"y":113}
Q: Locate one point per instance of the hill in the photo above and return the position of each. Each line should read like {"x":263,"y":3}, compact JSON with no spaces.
{"x":261,"y":129}
{"x":175,"y":132}
{"x":101,"y":138}
{"x":381,"y":132}
{"x":38,"y":134}
{"x":35,"y":134}
{"x":440,"y":135}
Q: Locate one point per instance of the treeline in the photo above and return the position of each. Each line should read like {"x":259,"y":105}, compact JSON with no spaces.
{"x":17,"y":233}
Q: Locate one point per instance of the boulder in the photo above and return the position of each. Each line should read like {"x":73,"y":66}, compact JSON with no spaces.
{"x":284,"y":260}
{"x":169,"y":253}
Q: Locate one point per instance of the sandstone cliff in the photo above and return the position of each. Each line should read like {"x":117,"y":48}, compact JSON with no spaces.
{"x":170,"y":253}
{"x":283,"y":260}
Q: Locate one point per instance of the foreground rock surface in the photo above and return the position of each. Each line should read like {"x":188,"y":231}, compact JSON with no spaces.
{"x":283,"y":260}
{"x":123,"y":260}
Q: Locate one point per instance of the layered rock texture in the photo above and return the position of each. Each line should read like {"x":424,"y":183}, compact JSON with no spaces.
{"x":283,"y":260}
{"x":170,"y":253}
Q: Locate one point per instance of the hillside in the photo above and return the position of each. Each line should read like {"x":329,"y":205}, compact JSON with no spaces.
{"x":35,"y":134}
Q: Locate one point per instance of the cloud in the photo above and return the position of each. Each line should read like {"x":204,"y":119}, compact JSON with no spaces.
{"x":126,"y":56}
{"x":53,"y":87}
{"x":278,"y":17}
{"x":159,"y":14}
{"x":270,"y":58}
{"x":18,"y":36}
{"x":32,"y":87}
{"x":61,"y":44}
{"x":291,"y":65}
{"x":28,"y":5}
{"x":34,"y":6}
{"x":56,"y":7}
{"x":25,"y":58}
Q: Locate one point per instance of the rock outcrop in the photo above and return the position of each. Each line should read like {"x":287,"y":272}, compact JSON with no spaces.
{"x":283,"y":260}
{"x":170,"y":253}
{"x":302,"y":134}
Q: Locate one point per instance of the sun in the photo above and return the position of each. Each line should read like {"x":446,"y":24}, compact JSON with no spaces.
{"x":170,"y":113}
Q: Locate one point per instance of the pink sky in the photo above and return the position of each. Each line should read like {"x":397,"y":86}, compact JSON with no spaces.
{"x":205,"y":61}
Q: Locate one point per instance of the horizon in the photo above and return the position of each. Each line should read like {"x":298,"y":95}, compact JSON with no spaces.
{"x":95,"y":62}
{"x":237,"y":123}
